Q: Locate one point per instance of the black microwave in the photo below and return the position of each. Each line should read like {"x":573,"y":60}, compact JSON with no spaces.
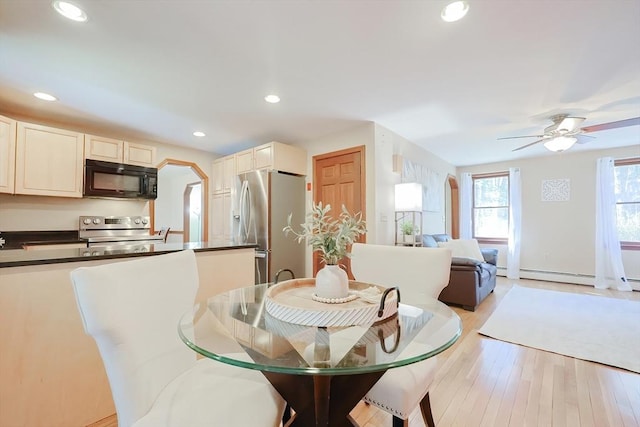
{"x":107,"y":179}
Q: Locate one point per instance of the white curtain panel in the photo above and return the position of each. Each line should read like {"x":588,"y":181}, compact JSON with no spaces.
{"x":609,"y":268}
{"x":466,"y":205}
{"x":515,"y":223}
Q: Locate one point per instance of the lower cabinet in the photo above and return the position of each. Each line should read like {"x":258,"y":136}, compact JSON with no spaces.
{"x":51,"y":372}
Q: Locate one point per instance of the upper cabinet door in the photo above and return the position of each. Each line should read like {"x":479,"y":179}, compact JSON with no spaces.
{"x":244,"y":161}
{"x":229,"y":173}
{"x":49,"y":161}
{"x":101,"y":148}
{"x":281,"y":157}
{"x":118,"y":151}
{"x":217,"y":175}
{"x":7,"y":154}
{"x":224,"y":173}
{"x":139,"y":154}
{"x":263,"y":156}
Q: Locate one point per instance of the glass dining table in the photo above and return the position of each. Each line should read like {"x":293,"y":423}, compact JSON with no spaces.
{"x":322,"y":372}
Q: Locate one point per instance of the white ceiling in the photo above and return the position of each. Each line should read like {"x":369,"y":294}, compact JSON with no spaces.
{"x":159,"y":70}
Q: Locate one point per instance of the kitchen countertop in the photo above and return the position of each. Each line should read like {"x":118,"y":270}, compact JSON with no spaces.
{"x":16,"y":239}
{"x":22,"y":257}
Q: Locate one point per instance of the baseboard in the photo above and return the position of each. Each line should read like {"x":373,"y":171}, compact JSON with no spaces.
{"x":562,"y":277}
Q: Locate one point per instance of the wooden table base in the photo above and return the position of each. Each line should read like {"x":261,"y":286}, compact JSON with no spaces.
{"x":323,"y":400}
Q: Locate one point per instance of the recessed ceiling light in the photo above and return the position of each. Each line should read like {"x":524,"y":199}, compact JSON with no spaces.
{"x":45,"y":96}
{"x":199,"y":134}
{"x":454,"y":11}
{"x":69,"y":10}
{"x":272,"y":99}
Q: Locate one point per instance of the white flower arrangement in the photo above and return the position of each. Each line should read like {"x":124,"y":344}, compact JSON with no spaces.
{"x":330,"y":237}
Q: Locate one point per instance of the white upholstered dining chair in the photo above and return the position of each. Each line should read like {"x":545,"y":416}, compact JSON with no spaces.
{"x":132,"y":310}
{"x":420,"y":274}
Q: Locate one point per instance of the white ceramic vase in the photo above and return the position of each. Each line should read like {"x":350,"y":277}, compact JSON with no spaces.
{"x":332,"y":282}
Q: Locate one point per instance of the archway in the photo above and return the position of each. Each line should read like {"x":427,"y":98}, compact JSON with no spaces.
{"x":204,"y":180}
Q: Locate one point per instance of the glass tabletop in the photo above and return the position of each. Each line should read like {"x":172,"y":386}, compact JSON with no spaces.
{"x":235,"y":328}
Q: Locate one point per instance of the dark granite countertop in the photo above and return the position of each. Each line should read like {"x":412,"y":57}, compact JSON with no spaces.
{"x":23,"y":257}
{"x":16,"y":239}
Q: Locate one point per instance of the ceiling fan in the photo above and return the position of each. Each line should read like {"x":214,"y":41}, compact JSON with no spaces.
{"x":566,"y":130}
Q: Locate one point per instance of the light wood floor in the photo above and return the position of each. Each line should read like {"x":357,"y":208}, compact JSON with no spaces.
{"x":486,"y":382}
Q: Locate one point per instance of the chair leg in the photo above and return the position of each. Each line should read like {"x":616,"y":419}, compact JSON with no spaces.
{"x":286,"y":415}
{"x":425,"y":407}
{"x":399,"y":422}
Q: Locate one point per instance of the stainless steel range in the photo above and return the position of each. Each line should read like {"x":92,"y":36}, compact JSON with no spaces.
{"x":117,"y":234}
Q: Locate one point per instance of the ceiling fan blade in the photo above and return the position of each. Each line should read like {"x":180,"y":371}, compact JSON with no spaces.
{"x":612,"y":125}
{"x":569,"y":124}
{"x":584,"y":138}
{"x":526,"y":136}
{"x":528,"y":145}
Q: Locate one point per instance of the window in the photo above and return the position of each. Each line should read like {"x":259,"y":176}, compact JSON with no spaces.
{"x":627,"y":184}
{"x":491,"y":207}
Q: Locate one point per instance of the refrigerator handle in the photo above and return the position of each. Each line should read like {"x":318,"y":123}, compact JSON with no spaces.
{"x":245,"y":219}
{"x":261,"y":254}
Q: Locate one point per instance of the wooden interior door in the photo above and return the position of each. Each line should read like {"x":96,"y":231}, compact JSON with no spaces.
{"x":454,"y":202}
{"x":339,"y":179}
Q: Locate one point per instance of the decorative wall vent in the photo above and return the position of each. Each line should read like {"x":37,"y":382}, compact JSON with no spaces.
{"x":556,"y":190}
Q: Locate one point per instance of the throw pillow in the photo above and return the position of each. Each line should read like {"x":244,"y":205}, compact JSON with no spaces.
{"x":463,"y":248}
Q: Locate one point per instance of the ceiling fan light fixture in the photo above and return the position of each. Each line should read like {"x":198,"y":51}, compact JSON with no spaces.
{"x":70,"y":11}
{"x":454,"y":11}
{"x":560,"y":143}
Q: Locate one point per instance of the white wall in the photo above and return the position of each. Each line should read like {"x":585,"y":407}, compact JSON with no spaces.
{"x":380,"y":145}
{"x":169,"y":205}
{"x":39,"y":213}
{"x":558,"y":238}
{"x":388,"y":143}
{"x":359,"y":135}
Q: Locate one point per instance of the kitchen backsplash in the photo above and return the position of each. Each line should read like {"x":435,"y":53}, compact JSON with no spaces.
{"x":32,"y":213}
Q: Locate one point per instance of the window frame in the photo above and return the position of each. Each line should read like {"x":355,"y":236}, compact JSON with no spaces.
{"x":624,"y":244}
{"x":488,"y":240}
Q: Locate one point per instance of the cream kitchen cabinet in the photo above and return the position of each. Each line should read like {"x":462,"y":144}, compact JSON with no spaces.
{"x":224,"y":173}
{"x":52,"y":373}
{"x":7,"y":154}
{"x":273,"y":156}
{"x":217,"y":176}
{"x":118,"y":151}
{"x":49,"y":161}
{"x":139,"y":154}
{"x":280,"y":157}
{"x":221,"y":216}
{"x":244,"y":161}
{"x":229,"y":173}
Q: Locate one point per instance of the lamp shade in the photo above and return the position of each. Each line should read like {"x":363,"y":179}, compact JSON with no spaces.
{"x":409,"y":196}
{"x":560,"y":143}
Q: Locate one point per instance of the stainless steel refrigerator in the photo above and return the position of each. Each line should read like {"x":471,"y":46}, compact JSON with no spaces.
{"x":263,"y":201}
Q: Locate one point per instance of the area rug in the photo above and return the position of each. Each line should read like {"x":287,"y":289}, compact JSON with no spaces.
{"x":589,"y":327}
